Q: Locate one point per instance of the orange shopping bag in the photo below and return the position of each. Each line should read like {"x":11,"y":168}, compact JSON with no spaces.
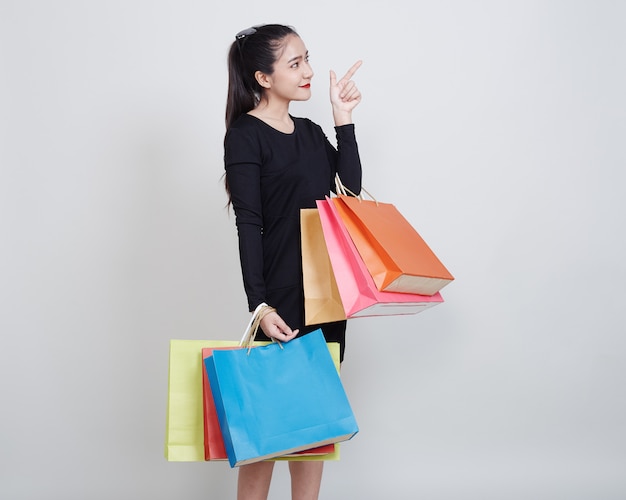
{"x":396,"y":256}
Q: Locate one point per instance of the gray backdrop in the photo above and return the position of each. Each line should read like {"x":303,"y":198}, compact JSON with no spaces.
{"x":497,"y":128}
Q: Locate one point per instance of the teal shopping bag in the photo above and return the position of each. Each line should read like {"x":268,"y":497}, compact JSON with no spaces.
{"x":279,"y":399}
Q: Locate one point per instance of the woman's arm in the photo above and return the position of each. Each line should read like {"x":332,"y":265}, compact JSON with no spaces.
{"x":344,"y":97}
{"x":345,"y":159}
{"x":243,"y":176}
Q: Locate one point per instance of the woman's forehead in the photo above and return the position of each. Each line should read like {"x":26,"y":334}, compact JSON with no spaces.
{"x":294,"y":47}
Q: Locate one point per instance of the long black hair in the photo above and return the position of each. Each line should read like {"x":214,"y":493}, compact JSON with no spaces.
{"x":254,"y":49}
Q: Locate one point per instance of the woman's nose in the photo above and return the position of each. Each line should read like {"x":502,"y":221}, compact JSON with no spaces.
{"x":309,"y":71}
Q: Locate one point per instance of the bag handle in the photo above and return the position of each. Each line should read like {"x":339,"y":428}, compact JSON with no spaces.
{"x":252,"y":327}
{"x":341,"y":189}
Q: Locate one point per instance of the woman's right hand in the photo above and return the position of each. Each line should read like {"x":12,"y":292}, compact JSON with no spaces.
{"x":344,"y":95}
{"x":274,"y":327}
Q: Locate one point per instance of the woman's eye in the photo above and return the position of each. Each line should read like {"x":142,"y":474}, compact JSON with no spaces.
{"x":297,"y":64}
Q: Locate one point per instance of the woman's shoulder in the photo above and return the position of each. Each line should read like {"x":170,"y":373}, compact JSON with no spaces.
{"x":244,"y":130}
{"x":245,"y":122}
{"x":304,"y":121}
{"x":306,"y":124}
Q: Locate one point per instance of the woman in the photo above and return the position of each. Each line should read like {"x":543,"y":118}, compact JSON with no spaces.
{"x":275,"y":165}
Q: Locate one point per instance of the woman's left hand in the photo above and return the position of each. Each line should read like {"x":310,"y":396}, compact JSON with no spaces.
{"x":344,"y":95}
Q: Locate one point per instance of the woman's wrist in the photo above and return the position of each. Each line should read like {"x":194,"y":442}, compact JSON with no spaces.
{"x":342,"y":118}
{"x":258,"y":308}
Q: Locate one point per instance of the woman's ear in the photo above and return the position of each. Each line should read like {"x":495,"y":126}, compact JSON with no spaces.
{"x":262,"y":79}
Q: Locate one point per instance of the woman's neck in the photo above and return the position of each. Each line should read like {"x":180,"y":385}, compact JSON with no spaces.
{"x":274,"y":114}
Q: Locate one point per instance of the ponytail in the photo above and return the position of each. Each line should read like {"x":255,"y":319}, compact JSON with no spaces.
{"x":241,"y":98}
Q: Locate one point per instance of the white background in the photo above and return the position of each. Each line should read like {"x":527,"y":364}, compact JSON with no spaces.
{"x":497,"y":128}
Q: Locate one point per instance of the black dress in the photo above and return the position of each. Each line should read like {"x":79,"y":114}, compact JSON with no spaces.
{"x":271,"y":176}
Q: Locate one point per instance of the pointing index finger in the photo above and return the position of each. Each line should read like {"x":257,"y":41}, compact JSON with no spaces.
{"x":352,"y":70}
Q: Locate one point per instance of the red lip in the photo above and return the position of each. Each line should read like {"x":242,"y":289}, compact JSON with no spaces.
{"x":307,"y":86}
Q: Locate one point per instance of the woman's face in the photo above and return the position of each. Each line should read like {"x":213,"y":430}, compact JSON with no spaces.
{"x":292,"y":75}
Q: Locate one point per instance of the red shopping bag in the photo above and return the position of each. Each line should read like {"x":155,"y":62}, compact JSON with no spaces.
{"x":359,"y":294}
{"x":394,"y":253}
{"x":213,"y":442}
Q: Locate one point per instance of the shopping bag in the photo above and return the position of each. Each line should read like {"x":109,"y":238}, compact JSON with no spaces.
{"x":322,"y":300}
{"x":213,"y":441}
{"x":396,"y":256}
{"x":184,"y":434}
{"x":359,"y":294}
{"x":279,"y":399}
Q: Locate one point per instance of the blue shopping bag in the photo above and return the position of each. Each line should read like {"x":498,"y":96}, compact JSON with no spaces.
{"x":279,"y":399}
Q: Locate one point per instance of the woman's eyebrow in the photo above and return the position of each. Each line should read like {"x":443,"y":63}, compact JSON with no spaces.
{"x":297,"y":57}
